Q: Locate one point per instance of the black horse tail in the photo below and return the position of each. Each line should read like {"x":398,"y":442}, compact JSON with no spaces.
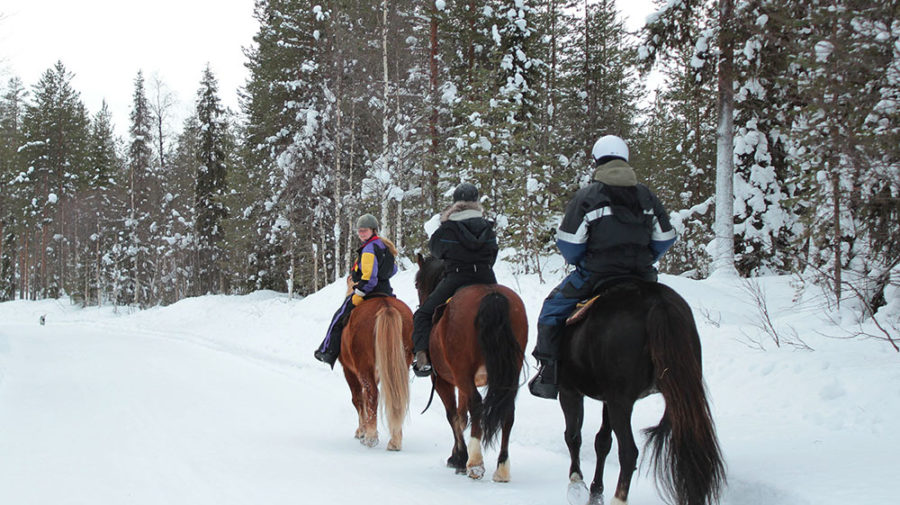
{"x":684,"y":450}
{"x":502,"y":356}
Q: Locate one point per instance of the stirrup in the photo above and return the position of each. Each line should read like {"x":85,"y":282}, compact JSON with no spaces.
{"x":544,"y":383}
{"x":424,"y":369}
{"x":542,"y":389}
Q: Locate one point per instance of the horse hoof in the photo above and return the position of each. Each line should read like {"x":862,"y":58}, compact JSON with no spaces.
{"x":460,"y":470}
{"x":597,"y":499}
{"x":369,"y":441}
{"x":502,"y":472}
{"x":359,"y":434}
{"x":578,"y":493}
{"x":393,"y":446}
{"x":476,"y":472}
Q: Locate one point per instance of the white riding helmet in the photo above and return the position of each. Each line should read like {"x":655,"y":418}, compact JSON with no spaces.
{"x":609,"y":145}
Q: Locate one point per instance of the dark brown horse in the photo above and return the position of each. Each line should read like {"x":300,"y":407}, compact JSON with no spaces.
{"x":376,"y":347}
{"x":479,"y":340}
{"x":639,"y":337}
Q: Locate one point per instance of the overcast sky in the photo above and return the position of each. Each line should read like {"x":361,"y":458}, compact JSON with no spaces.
{"x":105,"y":42}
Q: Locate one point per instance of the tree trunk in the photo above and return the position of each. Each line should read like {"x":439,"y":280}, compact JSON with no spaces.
{"x":385,"y":122}
{"x":838,"y":257}
{"x":723,"y":263}
{"x":431,"y":193}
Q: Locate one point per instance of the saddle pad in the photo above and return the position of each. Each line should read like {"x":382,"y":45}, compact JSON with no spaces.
{"x":580,"y":311}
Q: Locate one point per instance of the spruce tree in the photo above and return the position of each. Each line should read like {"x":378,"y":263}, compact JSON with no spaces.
{"x":56,"y":138}
{"x":209,"y":196}
{"x":135,"y":244}
{"x":12,"y":110}
{"x":845,"y":147}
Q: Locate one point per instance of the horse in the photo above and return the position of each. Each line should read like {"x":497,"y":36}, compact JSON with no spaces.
{"x":376,"y":347}
{"x":479,"y":340}
{"x":639,"y":338}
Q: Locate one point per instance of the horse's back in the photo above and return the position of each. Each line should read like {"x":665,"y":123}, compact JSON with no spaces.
{"x":456,"y":351}
{"x":359,"y":334}
{"x":608,"y":350}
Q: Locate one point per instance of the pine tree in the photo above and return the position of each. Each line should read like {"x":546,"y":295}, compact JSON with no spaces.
{"x":767,"y":221}
{"x":56,"y":139}
{"x":286,"y":112}
{"x":179,"y":212}
{"x":846,"y":146}
{"x":12,"y":110}
{"x":209,"y":197}
{"x":100,"y":209}
{"x":673,"y":27}
{"x":136,"y":239}
{"x":676,"y":154}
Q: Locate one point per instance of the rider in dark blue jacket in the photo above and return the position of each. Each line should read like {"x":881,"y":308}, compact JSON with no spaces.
{"x":613,"y":228}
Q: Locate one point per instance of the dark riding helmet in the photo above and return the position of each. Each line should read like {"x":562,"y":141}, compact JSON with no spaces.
{"x":465,"y":192}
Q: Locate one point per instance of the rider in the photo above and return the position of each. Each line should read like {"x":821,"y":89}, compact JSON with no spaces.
{"x":370,"y":274}
{"x":612,"y":228}
{"x":466,"y":242}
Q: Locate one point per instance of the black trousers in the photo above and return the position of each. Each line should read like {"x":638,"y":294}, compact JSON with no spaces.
{"x":444,"y":290}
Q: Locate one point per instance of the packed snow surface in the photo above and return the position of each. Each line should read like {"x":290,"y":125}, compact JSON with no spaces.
{"x":217,"y":400}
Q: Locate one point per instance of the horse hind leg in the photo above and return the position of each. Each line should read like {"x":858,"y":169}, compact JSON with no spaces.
{"x":620,"y":417}
{"x":475,"y":462}
{"x":370,"y":397}
{"x":356,"y":398}
{"x":458,"y":455}
{"x":572,"y":404}
{"x":502,"y":472}
{"x":602,"y":446}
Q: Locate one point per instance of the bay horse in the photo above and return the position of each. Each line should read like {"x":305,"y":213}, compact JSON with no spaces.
{"x":376,"y":347}
{"x":479,"y":340}
{"x":637,"y":338}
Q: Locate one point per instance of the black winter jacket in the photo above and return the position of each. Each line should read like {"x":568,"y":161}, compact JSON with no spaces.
{"x":465,"y":240}
{"x":615,"y":230}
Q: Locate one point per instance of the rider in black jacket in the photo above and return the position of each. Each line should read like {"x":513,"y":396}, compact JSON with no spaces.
{"x":614,"y":227}
{"x":466,"y":243}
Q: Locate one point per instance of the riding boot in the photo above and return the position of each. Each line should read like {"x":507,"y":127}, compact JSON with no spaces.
{"x":329,"y":351}
{"x":329,"y":355}
{"x":422,"y":368}
{"x":544,"y":384}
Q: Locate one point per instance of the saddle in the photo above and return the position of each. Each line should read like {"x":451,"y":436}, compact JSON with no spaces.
{"x":439,"y":311}
{"x":581,"y":308}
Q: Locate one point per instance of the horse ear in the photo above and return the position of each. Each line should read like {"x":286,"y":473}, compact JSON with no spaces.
{"x":420,"y":260}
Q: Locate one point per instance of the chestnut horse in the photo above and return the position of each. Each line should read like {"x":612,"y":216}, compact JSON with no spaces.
{"x":479,"y":340}
{"x":638,"y":338}
{"x":376,"y":346}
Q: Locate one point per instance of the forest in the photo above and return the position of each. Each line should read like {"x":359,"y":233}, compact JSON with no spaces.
{"x":773,"y":141}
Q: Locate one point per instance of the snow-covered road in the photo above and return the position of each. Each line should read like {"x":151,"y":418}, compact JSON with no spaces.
{"x":97,"y":417}
{"x":216,"y":400}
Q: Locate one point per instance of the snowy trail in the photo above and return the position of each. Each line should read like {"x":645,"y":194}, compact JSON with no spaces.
{"x":217,"y":400}
{"x":98,"y":417}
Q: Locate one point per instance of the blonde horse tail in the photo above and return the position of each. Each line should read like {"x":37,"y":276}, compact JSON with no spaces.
{"x":390,"y":363}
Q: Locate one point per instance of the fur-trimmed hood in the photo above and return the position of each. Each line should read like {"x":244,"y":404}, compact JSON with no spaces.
{"x":469,"y":227}
{"x":462,"y":210}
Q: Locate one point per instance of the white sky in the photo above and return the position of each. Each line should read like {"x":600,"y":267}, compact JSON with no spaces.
{"x":105,"y":42}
